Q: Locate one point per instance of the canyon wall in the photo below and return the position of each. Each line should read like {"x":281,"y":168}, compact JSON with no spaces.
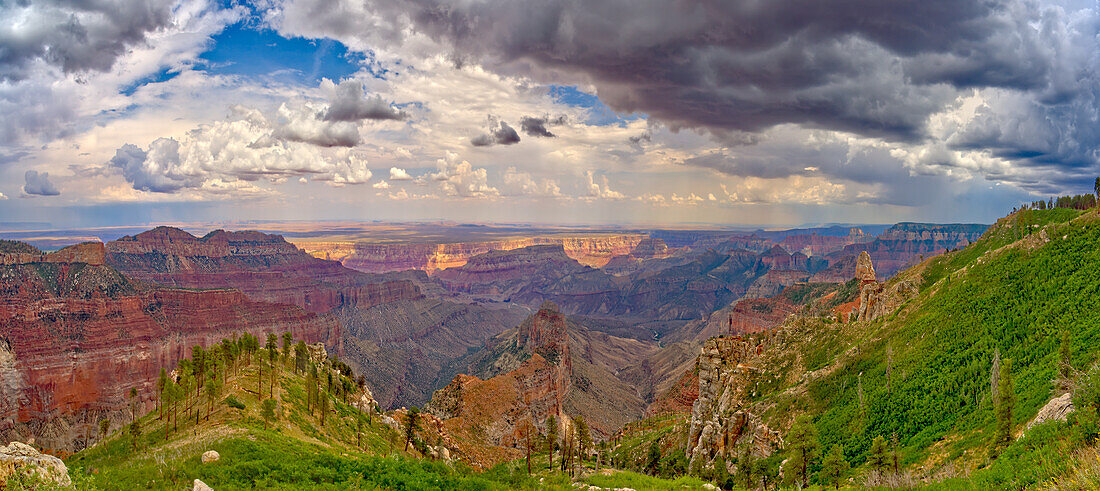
{"x":76,"y":337}
{"x":548,"y":366}
{"x":906,"y":244}
{"x":264,"y":267}
{"x":593,"y":251}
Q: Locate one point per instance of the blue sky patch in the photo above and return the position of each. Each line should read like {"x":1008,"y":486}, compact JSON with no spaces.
{"x":163,"y":75}
{"x":598,"y":112}
{"x":240,"y":50}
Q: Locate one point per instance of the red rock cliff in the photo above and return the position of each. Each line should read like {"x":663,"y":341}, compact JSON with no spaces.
{"x":264,"y":267}
{"x":75,"y":337}
{"x":593,"y":251}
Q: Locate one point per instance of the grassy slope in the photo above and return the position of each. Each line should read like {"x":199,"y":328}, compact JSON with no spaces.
{"x":937,"y":403}
{"x":1011,"y":291}
{"x":294,"y":452}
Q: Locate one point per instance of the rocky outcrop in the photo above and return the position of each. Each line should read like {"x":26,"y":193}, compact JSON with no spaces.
{"x":865,"y":271}
{"x":595,"y":250}
{"x":548,"y":366}
{"x":880,"y":299}
{"x":18,"y":457}
{"x":1057,"y":409}
{"x":75,"y":338}
{"x":91,"y":253}
{"x":722,"y":422}
{"x":264,"y":267}
{"x":751,"y":315}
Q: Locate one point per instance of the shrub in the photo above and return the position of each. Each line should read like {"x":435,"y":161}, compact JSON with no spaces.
{"x":234,"y":403}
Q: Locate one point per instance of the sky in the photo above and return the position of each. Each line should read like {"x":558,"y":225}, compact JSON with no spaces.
{"x":646,"y":112}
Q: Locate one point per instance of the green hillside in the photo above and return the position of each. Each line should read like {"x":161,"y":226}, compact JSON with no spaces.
{"x":920,"y":377}
{"x":292,"y":448}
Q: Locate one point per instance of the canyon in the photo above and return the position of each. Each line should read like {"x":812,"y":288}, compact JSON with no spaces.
{"x":79,"y":335}
{"x":595,"y":250}
{"x":547,"y":366}
{"x":615,"y":324}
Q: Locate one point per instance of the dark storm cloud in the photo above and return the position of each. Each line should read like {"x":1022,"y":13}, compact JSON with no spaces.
{"x":533,"y":126}
{"x":350,"y":104}
{"x":75,"y":36}
{"x":872,"y":67}
{"x":39,"y":184}
{"x":499,"y":134}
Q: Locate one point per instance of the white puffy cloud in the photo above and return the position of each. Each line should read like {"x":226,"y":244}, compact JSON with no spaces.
{"x":303,"y":124}
{"x":459,"y":178}
{"x":248,"y":146}
{"x":397,"y":174}
{"x":518,"y":183}
{"x":352,"y":170}
{"x":600,"y":189}
{"x":381,"y":185}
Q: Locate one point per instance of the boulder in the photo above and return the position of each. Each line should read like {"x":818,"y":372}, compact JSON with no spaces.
{"x":200,"y":486}
{"x":210,"y":456}
{"x":18,"y":456}
{"x":1057,"y":409}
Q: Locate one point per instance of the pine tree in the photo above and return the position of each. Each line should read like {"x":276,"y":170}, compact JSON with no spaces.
{"x":268,"y":411}
{"x":1065,"y":366}
{"x":1006,"y":401}
{"x":324,"y":406}
{"x":300,"y":357}
{"x":272,"y":357}
{"x":135,"y":435}
{"x":198,"y":367}
{"x":412,"y":425}
{"x":721,"y":473}
{"x":133,"y":407}
{"x":288,"y":342}
{"x":878,"y":458}
{"x":802,"y":442}
{"x":584,"y":437}
{"x":653,"y":459}
{"x":104,"y":428}
{"x":162,"y":382}
{"x":746,"y":467}
{"x":834,"y":467}
{"x":551,"y":438}
{"x":213,"y":386}
{"x":1096,"y":188}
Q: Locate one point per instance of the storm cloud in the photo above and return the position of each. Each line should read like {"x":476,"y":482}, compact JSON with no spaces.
{"x":74,"y":36}
{"x":500,"y":133}
{"x":533,"y":126}
{"x":350,"y":104}
{"x":39,"y":184}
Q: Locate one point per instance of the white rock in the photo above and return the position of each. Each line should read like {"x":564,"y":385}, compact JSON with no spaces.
{"x":1058,"y":408}
{"x":18,"y":455}
{"x":201,"y":486}
{"x":210,"y":456}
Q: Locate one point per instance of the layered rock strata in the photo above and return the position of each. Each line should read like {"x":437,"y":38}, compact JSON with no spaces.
{"x":76,"y":337}
{"x":264,"y":267}
{"x":593,"y":251}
